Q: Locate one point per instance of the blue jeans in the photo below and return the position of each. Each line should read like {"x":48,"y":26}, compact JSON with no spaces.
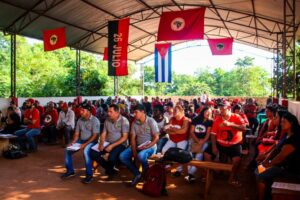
{"x":109,"y":164}
{"x":29,"y":133}
{"x":86,"y":155}
{"x":160,"y":144}
{"x":142,"y":156}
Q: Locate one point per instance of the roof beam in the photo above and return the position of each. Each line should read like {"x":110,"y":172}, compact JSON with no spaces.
{"x":255,"y":24}
{"x":217,"y":12}
{"x":22,"y":16}
{"x":176,"y":4}
{"x":55,"y":19}
{"x":115,"y":16}
{"x":149,"y":7}
{"x":23,"y":26}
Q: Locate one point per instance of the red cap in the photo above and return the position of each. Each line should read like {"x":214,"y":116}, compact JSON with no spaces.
{"x":210,"y":103}
{"x":224,"y":103}
{"x":236,"y":100}
{"x":30,"y":100}
{"x":65,"y":105}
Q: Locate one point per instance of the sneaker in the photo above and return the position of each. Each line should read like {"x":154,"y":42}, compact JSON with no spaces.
{"x":87,"y":179}
{"x":67,"y":175}
{"x":176,"y":174}
{"x":190,"y":178}
{"x":136,"y":180}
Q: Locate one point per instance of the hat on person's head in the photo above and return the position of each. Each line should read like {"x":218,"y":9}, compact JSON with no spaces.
{"x":139,"y":107}
{"x":224,"y":104}
{"x":86,"y":106}
{"x":64,"y":105}
{"x":236,"y":100}
{"x":30,"y":100}
{"x":210,"y":103}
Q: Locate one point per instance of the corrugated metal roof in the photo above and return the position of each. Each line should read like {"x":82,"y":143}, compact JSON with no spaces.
{"x":252,"y":22}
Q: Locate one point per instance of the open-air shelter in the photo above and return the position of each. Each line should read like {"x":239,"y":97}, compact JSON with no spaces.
{"x":272,"y":25}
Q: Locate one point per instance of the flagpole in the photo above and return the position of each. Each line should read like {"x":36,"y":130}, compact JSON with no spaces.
{"x":142,"y":79}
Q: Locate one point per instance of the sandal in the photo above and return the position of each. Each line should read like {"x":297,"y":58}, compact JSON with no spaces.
{"x":235,"y":183}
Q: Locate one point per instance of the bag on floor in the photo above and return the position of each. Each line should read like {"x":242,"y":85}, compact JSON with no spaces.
{"x":178,"y":155}
{"x":14,"y":152}
{"x":155,"y":181}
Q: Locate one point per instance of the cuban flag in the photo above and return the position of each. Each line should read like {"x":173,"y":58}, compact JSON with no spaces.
{"x":163,"y":62}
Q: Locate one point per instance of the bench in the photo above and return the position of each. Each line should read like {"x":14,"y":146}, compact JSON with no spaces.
{"x":209,"y":166}
{"x":286,"y":191}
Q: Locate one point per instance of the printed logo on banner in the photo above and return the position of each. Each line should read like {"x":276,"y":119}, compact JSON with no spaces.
{"x":53,"y":39}
{"x":220,"y":46}
{"x":178,"y":24}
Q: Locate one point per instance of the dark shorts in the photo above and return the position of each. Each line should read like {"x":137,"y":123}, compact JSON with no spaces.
{"x":232,"y":151}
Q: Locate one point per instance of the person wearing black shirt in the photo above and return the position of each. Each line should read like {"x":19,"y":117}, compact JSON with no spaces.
{"x":284,"y":160}
{"x":12,"y":122}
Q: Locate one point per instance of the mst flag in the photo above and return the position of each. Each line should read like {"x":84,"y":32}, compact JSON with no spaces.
{"x":222,"y":46}
{"x":181,"y":25}
{"x":54,"y":39}
{"x":105,"y":55}
{"x":163,"y":63}
{"x":117,"y":47}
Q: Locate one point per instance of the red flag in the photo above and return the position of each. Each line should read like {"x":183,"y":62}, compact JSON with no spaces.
{"x":181,"y":25}
{"x":54,"y":39}
{"x":117,"y":47}
{"x":105,"y":56}
{"x":222,"y":46}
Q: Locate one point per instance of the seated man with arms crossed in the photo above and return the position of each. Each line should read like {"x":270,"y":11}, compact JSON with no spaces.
{"x":144,"y":135}
{"x":115,"y":135}
{"x":86,"y":134}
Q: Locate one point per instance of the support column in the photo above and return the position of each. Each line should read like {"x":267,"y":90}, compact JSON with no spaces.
{"x":289,"y":47}
{"x":78,"y":78}
{"x":116,"y":86}
{"x":142,"y":79}
{"x":13,"y":65}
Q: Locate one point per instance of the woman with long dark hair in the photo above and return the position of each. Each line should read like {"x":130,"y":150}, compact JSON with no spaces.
{"x":200,"y":133}
{"x":282,"y":161}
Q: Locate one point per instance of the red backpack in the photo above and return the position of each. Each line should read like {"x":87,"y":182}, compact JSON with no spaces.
{"x":155,"y":181}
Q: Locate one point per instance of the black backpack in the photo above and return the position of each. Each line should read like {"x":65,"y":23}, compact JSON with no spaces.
{"x":14,"y":152}
{"x":177,"y":155}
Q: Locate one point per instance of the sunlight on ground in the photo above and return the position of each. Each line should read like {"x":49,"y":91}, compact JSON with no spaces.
{"x":16,"y":196}
{"x":46,"y":190}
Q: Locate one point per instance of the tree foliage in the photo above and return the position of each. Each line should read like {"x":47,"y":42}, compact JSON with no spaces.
{"x":42,"y":74}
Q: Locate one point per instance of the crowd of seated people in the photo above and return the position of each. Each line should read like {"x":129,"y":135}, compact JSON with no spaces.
{"x":125,"y":130}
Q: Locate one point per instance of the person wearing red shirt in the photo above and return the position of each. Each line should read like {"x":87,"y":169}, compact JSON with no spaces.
{"x":50,"y":122}
{"x":32,"y":120}
{"x":38,"y":106}
{"x":250,"y":110}
{"x":226,"y":138}
{"x":177,"y":130}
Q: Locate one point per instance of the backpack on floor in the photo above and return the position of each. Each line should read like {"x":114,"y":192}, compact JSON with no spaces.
{"x":14,"y":152}
{"x":177,"y":155}
{"x":155,"y":181}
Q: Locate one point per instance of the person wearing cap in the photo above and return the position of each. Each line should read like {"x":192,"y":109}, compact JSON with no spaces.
{"x":32,"y":120}
{"x":226,"y":138}
{"x":38,"y":106}
{"x":66,"y":122}
{"x":144,"y":135}
{"x":50,"y":123}
{"x":113,"y":140}
{"x":250,"y":110}
{"x":86,"y":134}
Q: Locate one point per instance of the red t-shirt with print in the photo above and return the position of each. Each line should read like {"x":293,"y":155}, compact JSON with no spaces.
{"x":227,"y":136}
{"x":33,"y":114}
{"x":178,"y":124}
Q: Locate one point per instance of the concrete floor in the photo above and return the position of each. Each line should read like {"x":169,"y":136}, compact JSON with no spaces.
{"x":37,"y":177}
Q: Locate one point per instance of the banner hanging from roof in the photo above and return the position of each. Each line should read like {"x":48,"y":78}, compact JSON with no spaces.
{"x":105,"y":55}
{"x":163,"y":62}
{"x":221,"y":46}
{"x":54,"y":39}
{"x":181,"y":25}
{"x":117,"y":47}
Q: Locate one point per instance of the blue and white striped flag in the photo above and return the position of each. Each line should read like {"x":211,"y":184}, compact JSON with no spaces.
{"x":163,"y":62}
